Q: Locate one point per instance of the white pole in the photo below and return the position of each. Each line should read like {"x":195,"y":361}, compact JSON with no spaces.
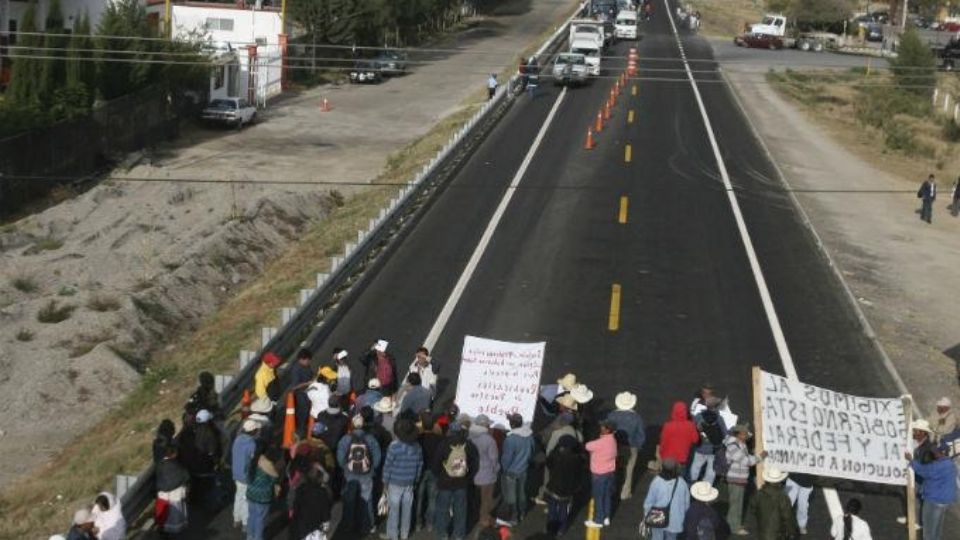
{"x":903,"y":21}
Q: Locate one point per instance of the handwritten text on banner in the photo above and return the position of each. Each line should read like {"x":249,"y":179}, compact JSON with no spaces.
{"x":499,"y":377}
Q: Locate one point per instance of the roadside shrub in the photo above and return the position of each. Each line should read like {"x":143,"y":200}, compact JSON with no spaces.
{"x":898,"y":137}
{"x":951,"y":131}
{"x":24,"y":335}
{"x":24,"y":284}
{"x":101,"y":303}
{"x":914,"y":68}
{"x":52,"y":313}
{"x":880,"y":105}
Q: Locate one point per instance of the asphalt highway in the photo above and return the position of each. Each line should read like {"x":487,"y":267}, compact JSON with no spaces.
{"x":655,"y":220}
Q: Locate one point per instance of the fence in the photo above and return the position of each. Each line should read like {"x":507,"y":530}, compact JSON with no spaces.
{"x":944,"y":103}
{"x":33,"y":163}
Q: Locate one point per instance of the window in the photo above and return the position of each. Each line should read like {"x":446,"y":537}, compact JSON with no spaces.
{"x":261,"y":41}
{"x":214,"y":23}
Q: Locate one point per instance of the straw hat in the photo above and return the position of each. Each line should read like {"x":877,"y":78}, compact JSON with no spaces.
{"x":773,"y":475}
{"x":581,"y":393}
{"x":567,"y":382}
{"x":703,"y":491}
{"x":921,"y":425}
{"x":567,"y":401}
{"x":250,"y":425}
{"x":385,"y":405}
{"x":373,"y":384}
{"x":261,"y":406}
{"x":625,"y":401}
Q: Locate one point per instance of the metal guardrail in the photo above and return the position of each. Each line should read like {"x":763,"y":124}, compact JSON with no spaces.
{"x":322,"y":307}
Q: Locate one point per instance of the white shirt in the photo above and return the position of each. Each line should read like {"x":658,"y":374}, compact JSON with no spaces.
{"x":428,"y":379}
{"x":319,"y":395}
{"x":861,"y":530}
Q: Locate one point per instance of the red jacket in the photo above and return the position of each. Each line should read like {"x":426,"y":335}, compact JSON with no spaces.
{"x":678,"y":435}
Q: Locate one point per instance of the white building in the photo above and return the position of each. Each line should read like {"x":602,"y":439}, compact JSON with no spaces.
{"x":249,"y":44}
{"x":12,"y":11}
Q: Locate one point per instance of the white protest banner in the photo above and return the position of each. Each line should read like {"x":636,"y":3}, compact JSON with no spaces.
{"x":807,"y":429}
{"x":498,"y":378}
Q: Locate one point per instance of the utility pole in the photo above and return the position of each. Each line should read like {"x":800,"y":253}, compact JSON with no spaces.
{"x":903,"y":20}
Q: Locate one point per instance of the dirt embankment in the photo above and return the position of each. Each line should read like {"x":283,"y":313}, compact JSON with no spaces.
{"x":93,"y":286}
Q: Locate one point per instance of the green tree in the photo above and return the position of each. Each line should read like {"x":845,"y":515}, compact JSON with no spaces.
{"x":821,"y":11}
{"x":121,"y":70}
{"x":314,"y":17}
{"x":914,"y":68}
{"x":80,"y":70}
{"x":53,"y":72}
{"x":25,"y":75}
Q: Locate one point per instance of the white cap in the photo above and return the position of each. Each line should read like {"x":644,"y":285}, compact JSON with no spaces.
{"x":357,"y":422}
{"x":381,"y":346}
{"x":944,"y":402}
{"x":342,"y":354}
{"x":82,"y":516}
{"x":250,"y":425}
{"x":204,"y":416}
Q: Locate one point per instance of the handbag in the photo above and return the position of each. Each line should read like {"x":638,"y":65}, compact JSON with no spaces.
{"x":659,"y":516}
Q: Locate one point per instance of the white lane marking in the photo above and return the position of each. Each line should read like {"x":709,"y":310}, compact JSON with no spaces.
{"x":829,"y":494}
{"x":478,"y":252}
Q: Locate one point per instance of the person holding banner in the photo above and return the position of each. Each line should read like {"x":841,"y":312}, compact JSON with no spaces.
{"x":775,"y":517}
{"x":938,"y":489}
{"x":739,"y":460}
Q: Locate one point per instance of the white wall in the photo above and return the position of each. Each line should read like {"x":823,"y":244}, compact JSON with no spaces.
{"x":72,"y":10}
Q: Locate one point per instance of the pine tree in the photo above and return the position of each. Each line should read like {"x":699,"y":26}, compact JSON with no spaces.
{"x":25,"y":75}
{"x":53,"y":70}
{"x":914,"y":68}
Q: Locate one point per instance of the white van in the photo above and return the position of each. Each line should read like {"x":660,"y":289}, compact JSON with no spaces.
{"x":626,"y":25}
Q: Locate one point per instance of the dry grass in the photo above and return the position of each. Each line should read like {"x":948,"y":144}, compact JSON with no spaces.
{"x":45,"y":500}
{"x":725,"y":18}
{"x":909,"y":145}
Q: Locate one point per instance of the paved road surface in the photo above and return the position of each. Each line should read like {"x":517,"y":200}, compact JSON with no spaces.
{"x":690,"y":312}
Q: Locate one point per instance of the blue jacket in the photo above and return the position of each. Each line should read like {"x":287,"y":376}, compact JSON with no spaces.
{"x":344,"y":446}
{"x":517,"y":451}
{"x":939,"y":480}
{"x":630,"y":423}
{"x":416,"y":400}
{"x":659,"y":495}
{"x":243,"y":448}
{"x":403,"y":464}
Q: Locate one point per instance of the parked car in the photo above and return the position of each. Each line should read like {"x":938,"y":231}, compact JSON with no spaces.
{"x":392,"y":63}
{"x":759,"y":41}
{"x":366,"y":71}
{"x":873,"y":32}
{"x":230,"y":111}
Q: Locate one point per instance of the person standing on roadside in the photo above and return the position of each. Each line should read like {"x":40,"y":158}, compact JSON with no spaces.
{"x":358,"y":455}
{"x":515,"y":461}
{"x":491,"y":86}
{"x":669,"y":490}
{"x":379,"y":364}
{"x":850,"y":526}
{"x":775,"y":517}
{"x":739,"y":460}
{"x":265,"y":379}
{"x":677,"y":436}
{"x":630,"y":433}
{"x":430,"y":438}
{"x":310,"y":510}
{"x":401,"y":469}
{"x":927,"y":194}
{"x":263,"y":486}
{"x":423,"y":365}
{"x":943,"y":420}
{"x":955,"y":207}
{"x":799,"y":487}
{"x":567,"y":468}
{"x":170,"y":508}
{"x":938,"y":489}
{"x":241,"y":454}
{"x":701,"y":520}
{"x":416,"y":398}
{"x":454,"y":467}
{"x":603,"y":466}
{"x":488,"y":469}
{"x":712,"y":431}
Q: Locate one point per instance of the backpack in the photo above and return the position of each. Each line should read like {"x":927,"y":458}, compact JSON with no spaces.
{"x":721,"y":465}
{"x":358,"y":456}
{"x":710,"y":429}
{"x":456,"y":463}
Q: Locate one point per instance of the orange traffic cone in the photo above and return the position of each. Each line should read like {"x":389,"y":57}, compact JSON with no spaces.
{"x":589,"y":145}
{"x":325,"y":105}
{"x":289,"y":422}
{"x":245,"y":403}
{"x":606,"y":111}
{"x":599,"y":124}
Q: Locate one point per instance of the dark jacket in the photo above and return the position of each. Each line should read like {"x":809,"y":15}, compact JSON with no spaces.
{"x":171,"y":475}
{"x":775,"y":517}
{"x":204,"y":399}
{"x":703,"y":518}
{"x":336,"y":427}
{"x":430,"y":443}
{"x":928,"y":191}
{"x":939,"y":480}
{"x":369,"y":362}
{"x":444,"y":481}
{"x":568,"y":468}
{"x":311,"y":509}
{"x":76,"y":533}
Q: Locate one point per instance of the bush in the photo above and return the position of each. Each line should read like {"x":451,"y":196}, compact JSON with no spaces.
{"x":951,"y":131}
{"x":24,"y":335}
{"x":102,"y":303}
{"x":914,"y":68}
{"x":24,"y":284}
{"x":898,"y":137}
{"x":52,"y":313}
{"x":879,"y":106}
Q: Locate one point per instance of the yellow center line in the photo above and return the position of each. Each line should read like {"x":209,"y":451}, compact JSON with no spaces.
{"x":633,"y":90}
{"x":623,"y":210}
{"x":630,"y":116}
{"x":614,"y":323}
{"x":627,"y":153}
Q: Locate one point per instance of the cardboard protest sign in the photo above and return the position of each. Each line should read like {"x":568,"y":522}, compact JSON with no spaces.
{"x":498,"y":378}
{"x":814,"y":430}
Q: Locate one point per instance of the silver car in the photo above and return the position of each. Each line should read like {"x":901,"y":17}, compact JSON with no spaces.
{"x":570,"y":69}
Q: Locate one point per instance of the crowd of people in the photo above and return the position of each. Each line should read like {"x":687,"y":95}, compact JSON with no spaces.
{"x":377,"y":441}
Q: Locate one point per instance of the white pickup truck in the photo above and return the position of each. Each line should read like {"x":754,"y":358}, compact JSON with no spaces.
{"x":583,"y":30}
{"x":591,"y":54}
{"x":231,"y":111}
{"x":626,"y":24}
